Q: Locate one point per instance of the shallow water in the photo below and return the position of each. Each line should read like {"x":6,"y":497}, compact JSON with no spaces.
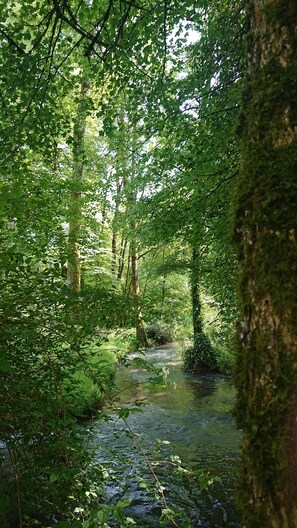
{"x":192,"y":412}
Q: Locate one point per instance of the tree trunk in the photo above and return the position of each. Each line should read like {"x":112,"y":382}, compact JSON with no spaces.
{"x":195,"y":290}
{"x":114,"y":249}
{"x":122,"y":257}
{"x":132,"y":198}
{"x":139,"y":324}
{"x":73,"y":266}
{"x":265,"y":232}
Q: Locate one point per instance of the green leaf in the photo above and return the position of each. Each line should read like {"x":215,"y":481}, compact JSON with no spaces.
{"x":124,"y":412}
{"x":4,"y":364}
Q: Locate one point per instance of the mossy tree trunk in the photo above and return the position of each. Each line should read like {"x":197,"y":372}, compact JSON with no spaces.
{"x":265,"y":231}
{"x":195,"y":291}
{"x":201,"y":356}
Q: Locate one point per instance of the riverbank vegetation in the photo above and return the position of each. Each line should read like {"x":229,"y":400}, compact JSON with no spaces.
{"x":121,"y":156}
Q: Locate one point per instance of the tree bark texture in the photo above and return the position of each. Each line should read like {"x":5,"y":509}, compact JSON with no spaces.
{"x":73,"y":267}
{"x":265,"y":233}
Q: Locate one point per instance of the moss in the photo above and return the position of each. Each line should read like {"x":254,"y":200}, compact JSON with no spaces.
{"x":265,"y":234}
{"x":281,"y":13}
{"x":262,"y":412}
{"x":263,"y":193}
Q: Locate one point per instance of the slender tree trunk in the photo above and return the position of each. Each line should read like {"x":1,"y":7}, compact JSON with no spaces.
{"x":195,"y":290}
{"x":104,"y":213}
{"x":139,"y":324}
{"x":73,"y":267}
{"x":122,"y":258}
{"x":114,"y":261}
{"x":163,"y":291}
{"x":127,"y":288}
{"x":114,"y":251}
{"x":265,"y":231}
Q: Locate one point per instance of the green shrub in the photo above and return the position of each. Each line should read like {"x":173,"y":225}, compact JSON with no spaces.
{"x":120,"y":342}
{"x":159,"y":334}
{"x":83,"y":390}
{"x":82,"y":396}
{"x":223,"y":343}
{"x":201,"y":356}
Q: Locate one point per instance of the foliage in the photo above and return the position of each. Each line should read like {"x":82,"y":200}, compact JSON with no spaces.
{"x":159,"y":334}
{"x":166,"y":296}
{"x":45,"y":356}
{"x":43,"y":389}
{"x":87,"y":387}
{"x":220,"y":333}
{"x":223,"y":345}
{"x":201,"y":355}
{"x":157,"y":177}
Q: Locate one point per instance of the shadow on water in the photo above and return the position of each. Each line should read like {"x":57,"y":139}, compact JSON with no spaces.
{"x":193,"y":413}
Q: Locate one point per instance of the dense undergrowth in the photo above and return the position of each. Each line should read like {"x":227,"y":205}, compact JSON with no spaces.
{"x":46,"y":469}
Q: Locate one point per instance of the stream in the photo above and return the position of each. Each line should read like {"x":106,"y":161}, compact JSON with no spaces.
{"x":187,"y":417}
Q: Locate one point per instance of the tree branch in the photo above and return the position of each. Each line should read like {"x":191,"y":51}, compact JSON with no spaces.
{"x":12,"y":42}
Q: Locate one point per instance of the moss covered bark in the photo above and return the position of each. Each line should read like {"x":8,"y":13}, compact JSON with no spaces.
{"x":265,"y":231}
{"x":200,"y":356}
{"x":195,"y":290}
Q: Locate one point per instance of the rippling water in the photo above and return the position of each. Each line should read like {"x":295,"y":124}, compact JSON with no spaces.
{"x":192,"y":412}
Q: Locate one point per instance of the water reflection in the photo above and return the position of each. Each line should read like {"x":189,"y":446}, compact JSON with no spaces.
{"x":193,"y":413}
